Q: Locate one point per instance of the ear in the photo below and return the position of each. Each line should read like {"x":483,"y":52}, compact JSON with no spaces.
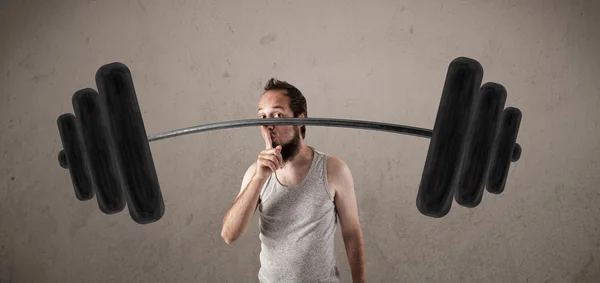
{"x":303,"y":115}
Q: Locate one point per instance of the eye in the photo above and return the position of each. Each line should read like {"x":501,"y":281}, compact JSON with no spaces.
{"x":276,"y":115}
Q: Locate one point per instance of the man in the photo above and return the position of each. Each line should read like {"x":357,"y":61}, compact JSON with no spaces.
{"x":300,"y":192}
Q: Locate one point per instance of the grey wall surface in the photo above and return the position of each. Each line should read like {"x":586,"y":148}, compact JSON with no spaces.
{"x":197,"y":62}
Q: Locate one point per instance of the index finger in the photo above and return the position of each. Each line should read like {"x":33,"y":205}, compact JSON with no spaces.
{"x":266,"y":137}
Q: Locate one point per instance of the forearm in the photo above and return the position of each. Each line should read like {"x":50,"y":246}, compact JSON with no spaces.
{"x":239,"y":215}
{"x":356,"y":257}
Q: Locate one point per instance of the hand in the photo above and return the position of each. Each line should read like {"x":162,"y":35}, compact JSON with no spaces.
{"x":270,"y":159}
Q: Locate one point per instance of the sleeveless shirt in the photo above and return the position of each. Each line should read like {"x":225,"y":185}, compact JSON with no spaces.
{"x":297,"y":226}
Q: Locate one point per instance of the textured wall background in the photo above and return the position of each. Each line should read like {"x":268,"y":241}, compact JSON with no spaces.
{"x":197,"y":62}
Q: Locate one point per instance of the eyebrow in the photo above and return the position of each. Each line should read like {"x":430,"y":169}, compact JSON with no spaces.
{"x":280,"y":107}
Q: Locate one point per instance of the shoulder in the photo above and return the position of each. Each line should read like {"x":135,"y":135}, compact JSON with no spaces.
{"x":335,"y":163}
{"x":338,"y":173}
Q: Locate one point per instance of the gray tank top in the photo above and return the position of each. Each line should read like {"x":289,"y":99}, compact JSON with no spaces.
{"x":297,"y":226}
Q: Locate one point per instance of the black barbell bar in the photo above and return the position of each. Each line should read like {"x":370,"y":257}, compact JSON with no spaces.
{"x":326,"y":122}
{"x":322,"y":122}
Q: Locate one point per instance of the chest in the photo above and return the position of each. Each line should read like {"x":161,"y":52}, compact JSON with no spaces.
{"x":306,"y":197}
{"x":293,"y":179}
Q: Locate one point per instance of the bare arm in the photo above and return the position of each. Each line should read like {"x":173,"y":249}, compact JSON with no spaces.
{"x":239,"y":215}
{"x":340,"y":178}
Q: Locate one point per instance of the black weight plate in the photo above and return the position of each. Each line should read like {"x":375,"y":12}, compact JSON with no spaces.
{"x":503,"y":150}
{"x":483,"y":127}
{"x":136,"y":166}
{"x":97,"y":139}
{"x":463,"y":81}
{"x":75,"y":156}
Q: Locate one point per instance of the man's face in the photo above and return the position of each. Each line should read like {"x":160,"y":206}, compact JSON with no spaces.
{"x":273,"y":104}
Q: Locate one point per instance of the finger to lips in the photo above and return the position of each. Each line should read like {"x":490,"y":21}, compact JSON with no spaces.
{"x":267,"y":137}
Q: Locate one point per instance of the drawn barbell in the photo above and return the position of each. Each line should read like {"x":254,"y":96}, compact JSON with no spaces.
{"x":108,"y":155}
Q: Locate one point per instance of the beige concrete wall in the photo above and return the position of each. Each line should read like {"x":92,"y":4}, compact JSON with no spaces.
{"x":197,"y":62}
